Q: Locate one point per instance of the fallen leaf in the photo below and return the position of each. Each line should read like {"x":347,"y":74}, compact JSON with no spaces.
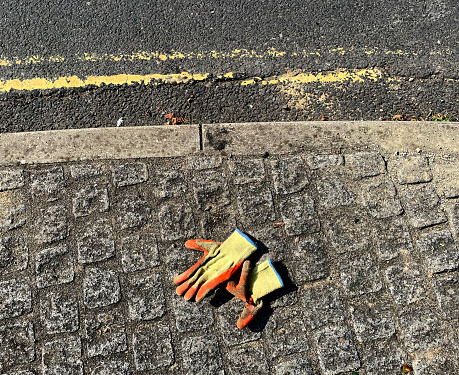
{"x":400,"y":117}
{"x":406,"y":369}
{"x":278,"y":225}
{"x":169,"y":116}
{"x":323,"y":118}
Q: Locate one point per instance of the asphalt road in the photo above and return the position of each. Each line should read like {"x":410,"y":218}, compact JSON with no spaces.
{"x":86,"y":64}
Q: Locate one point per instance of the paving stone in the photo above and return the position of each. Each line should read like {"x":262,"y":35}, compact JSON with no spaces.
{"x":247,"y":171}
{"x":285,"y":333}
{"x":101,"y":288}
{"x":134,"y":211}
{"x":168,"y":183}
{"x":359,"y":275}
{"x":218,"y":224}
{"x":105,"y":334}
{"x":53,"y":225}
{"x":176,"y":221}
{"x":17,"y":344}
{"x":190,"y":316}
{"x":422,"y":205}
{"x":440,"y":251}
{"x":211,"y":189}
{"x":372,"y":320}
{"x":227,"y":316}
{"x":12,"y":217}
{"x":274,"y":242}
{"x":139,"y":252}
{"x":299,"y":215}
{"x":25,"y":372}
{"x":434,"y":366}
{"x":393,"y":239}
{"x":366,"y":164}
{"x":92,"y":198}
{"x":16,"y":298}
{"x":11,"y":179}
{"x":199,"y":163}
{"x":201,"y":356}
{"x":406,"y":283}
{"x":152,"y":347}
{"x":112,"y":368}
{"x":447,"y":291}
{"x":289,"y":174}
{"x":382,"y":358}
{"x":146,"y":297}
{"x":421,"y":329}
{"x":248,"y":359}
{"x":130,"y":174}
{"x":255,"y":205}
{"x":54,"y":266}
{"x":380,"y":197}
{"x":298,"y":366}
{"x":454,"y":214}
{"x":14,"y":255}
{"x":96,"y":242}
{"x":324,"y":161}
{"x":78,"y":171}
{"x":310,"y":261}
{"x":322,"y":305}
{"x":48,"y":182}
{"x":59,"y":313}
{"x":179,"y":259}
{"x":336,"y":350}
{"x":412,"y":170}
{"x":62,"y":357}
{"x":333,"y":192}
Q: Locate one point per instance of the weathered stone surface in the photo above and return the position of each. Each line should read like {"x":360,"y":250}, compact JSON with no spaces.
{"x":382,"y":358}
{"x":285,"y":333}
{"x":406,"y":283}
{"x":62,"y":357}
{"x":146,"y":297}
{"x":412,"y":170}
{"x":12,"y":217}
{"x":168,"y":183}
{"x":201,"y":355}
{"x":359,"y":275}
{"x":218,"y":224}
{"x":59,"y":313}
{"x":435,"y":365}
{"x":447,"y":291}
{"x":199,"y":163}
{"x":53,"y":225}
{"x":256,"y":206}
{"x":324,"y":161}
{"x":300,"y":215}
{"x":176,"y":221}
{"x":247,"y":171}
{"x":310,"y":261}
{"x":190,"y":316}
{"x":421,"y":329}
{"x":179,"y":259}
{"x":96,"y":242}
{"x":393,"y":239}
{"x":322,"y":305}
{"x":380,"y":197}
{"x":20,"y":372}
{"x":17,"y":344}
{"x":152,"y":347}
{"x":14,"y":255}
{"x":105,"y":334}
{"x":440,"y":251}
{"x":298,"y":366}
{"x":49,"y":182}
{"x":11,"y":179}
{"x":289,"y":174}
{"x":366,"y":164}
{"x":274,"y":242}
{"x":211,"y":189}
{"x":139,"y":252}
{"x":454,"y":215}
{"x":372,"y":320}
{"x":15,"y":297}
{"x":112,"y":368}
{"x":92,"y":198}
{"x":336,"y":350}
{"x":54,"y":266}
{"x":78,"y":171}
{"x":134,"y":211}
{"x":333,"y":192}
{"x":422,"y":205}
{"x":130,"y":174}
{"x":101,"y":288}
{"x":247,"y":360}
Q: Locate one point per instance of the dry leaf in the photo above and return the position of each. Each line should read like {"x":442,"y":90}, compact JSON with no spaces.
{"x":169,"y":116}
{"x":406,"y":369}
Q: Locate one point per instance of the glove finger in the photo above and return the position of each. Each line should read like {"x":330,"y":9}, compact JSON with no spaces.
{"x":202,"y":245}
{"x":248,"y":314}
{"x":189,"y":272}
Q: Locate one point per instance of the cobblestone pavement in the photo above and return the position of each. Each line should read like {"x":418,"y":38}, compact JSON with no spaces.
{"x":367,"y":244}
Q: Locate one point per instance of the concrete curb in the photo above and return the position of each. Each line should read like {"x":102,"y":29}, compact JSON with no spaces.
{"x":237,"y":139}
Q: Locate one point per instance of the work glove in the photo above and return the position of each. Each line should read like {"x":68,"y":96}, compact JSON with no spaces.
{"x":219,"y":263}
{"x":253,"y":285}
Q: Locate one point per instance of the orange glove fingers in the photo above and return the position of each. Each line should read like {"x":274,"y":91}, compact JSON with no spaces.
{"x":185,"y":275}
{"x":248,"y":314}
{"x":240,"y":290}
{"x":193,"y":245}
